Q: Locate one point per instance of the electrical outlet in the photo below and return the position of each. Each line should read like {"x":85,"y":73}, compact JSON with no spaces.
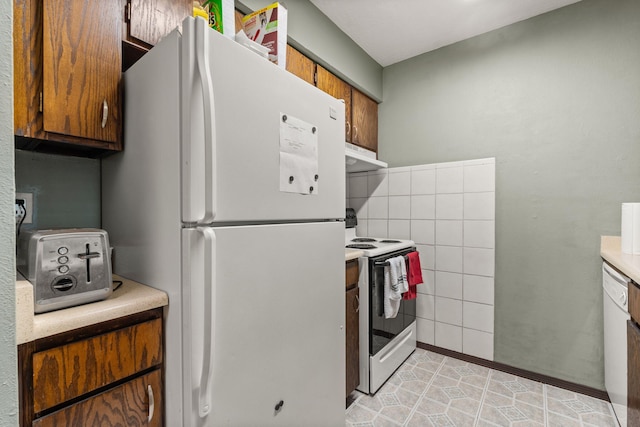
{"x":28,"y":205}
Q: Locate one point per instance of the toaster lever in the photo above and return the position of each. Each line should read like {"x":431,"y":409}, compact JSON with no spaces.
{"x":89,"y":255}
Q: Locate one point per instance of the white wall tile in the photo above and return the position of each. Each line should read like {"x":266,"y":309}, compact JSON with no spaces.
{"x":378,"y":183}
{"x":449,"y":285}
{"x":377,"y":228}
{"x":399,"y":183}
{"x":399,"y":229}
{"x":423,"y":181}
{"x":448,"y":336}
{"x":487,"y":161}
{"x":449,"y":258}
{"x":478,"y":289}
{"x":449,"y":165}
{"x":477,"y":316}
{"x":480,"y":206}
{"x":427,"y":256}
{"x":479,"y":261}
{"x":479,"y":178}
{"x":361,"y":207}
{"x":362,"y":229}
{"x":449,"y":206}
{"x":358,"y":185}
{"x":423,"y":231}
{"x":399,"y":207}
{"x":426,"y":306}
{"x":477,"y":343}
{"x":479,"y":234}
{"x":425,"y":331}
{"x":378,"y":208}
{"x":449,"y":232}
{"x":428,"y":286}
{"x":449,"y":180}
{"x":448,"y":310}
{"x":423,"y":207}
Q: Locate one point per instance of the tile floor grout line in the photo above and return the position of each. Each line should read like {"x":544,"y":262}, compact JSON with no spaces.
{"x":484,"y":393}
{"x":424,"y":392}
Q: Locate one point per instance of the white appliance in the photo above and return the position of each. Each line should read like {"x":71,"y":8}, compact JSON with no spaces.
{"x":615,"y":299}
{"x":195,"y":206}
{"x":384,"y":343}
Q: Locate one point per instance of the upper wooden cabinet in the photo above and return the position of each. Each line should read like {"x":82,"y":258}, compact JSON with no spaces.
{"x":361,"y":112}
{"x":364,"y":111}
{"x":300,"y":65}
{"x":150,"y":20}
{"x":67,"y":68}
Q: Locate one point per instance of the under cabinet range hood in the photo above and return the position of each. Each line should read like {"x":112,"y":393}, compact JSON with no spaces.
{"x":358,"y":159}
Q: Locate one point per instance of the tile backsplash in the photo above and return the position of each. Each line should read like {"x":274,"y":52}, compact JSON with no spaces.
{"x":448,"y":210}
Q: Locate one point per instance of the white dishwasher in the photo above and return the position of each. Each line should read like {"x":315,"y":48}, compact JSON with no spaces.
{"x":614,"y":297}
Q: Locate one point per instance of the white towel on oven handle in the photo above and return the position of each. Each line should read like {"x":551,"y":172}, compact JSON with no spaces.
{"x":395,"y":284}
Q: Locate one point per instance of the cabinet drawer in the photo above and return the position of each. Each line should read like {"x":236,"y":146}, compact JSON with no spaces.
{"x":127,"y":405}
{"x":634,"y":301}
{"x":70,"y":370}
{"x":351,"y":278}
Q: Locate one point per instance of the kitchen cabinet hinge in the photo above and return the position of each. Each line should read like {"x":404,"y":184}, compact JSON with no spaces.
{"x":40,"y":106}
{"x":127,"y":17}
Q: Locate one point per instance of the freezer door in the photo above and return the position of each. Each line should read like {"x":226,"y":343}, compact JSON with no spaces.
{"x":276,"y":326}
{"x":233,"y":103}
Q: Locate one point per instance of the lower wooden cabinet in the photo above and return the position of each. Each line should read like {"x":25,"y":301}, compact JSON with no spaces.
{"x":105,"y":374}
{"x":633,"y":374}
{"x":352,"y":307}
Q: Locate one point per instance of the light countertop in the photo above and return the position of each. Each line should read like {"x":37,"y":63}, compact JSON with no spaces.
{"x":350,"y":254}
{"x":130,"y":298}
{"x":611,"y":251}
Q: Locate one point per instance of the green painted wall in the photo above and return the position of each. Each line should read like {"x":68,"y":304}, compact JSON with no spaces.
{"x":8,"y":356}
{"x":313,"y":33}
{"x":66,"y":190}
{"x":556,"y":100}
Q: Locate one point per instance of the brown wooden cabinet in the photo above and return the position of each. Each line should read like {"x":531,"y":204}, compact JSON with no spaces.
{"x":150,"y":20}
{"x":300,"y":65}
{"x":67,"y":68}
{"x":633,"y":357}
{"x":106,"y":373}
{"x":352,"y":307}
{"x":361,"y":112}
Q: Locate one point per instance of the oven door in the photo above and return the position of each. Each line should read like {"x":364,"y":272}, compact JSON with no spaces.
{"x":382,"y":330}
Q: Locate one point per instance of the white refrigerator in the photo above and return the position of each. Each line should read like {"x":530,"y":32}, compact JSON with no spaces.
{"x":229,"y":196}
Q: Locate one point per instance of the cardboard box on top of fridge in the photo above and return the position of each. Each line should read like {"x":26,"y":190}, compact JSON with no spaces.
{"x":221,"y":16}
{"x":268,"y":26}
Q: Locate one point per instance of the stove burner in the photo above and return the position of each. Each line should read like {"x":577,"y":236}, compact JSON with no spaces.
{"x":363,"y":239}
{"x":361,"y":246}
{"x":390,"y":241}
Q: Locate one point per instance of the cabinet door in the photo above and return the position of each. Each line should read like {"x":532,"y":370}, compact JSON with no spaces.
{"x":300,"y":65}
{"x":337,"y":88}
{"x":352,"y":306}
{"x":633,"y":374}
{"x":150,"y":20}
{"x":81,"y":68}
{"x":130,"y":404}
{"x":365,"y":121}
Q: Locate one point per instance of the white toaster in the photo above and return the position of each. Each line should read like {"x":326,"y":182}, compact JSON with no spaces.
{"x":66,"y":267}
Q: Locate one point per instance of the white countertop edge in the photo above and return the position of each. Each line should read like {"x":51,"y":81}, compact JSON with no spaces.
{"x":130,"y":298}
{"x":610,"y":250}
{"x":350,"y":254}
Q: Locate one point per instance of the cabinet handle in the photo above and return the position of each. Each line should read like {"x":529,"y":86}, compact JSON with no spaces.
{"x":152,"y":403}
{"x":358,"y":303}
{"x":355,"y":134}
{"x":348,"y":128}
{"x":105,"y":113}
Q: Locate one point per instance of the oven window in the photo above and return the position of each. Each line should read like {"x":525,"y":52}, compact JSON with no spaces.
{"x":384,"y":330}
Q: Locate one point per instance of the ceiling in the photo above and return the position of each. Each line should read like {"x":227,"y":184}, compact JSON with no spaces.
{"x":391,"y":31}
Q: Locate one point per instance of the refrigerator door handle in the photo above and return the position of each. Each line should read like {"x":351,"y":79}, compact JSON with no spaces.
{"x":204,"y":70}
{"x":206,"y":376}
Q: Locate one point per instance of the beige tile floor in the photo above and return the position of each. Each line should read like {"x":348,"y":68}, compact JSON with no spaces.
{"x":430,"y":389}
